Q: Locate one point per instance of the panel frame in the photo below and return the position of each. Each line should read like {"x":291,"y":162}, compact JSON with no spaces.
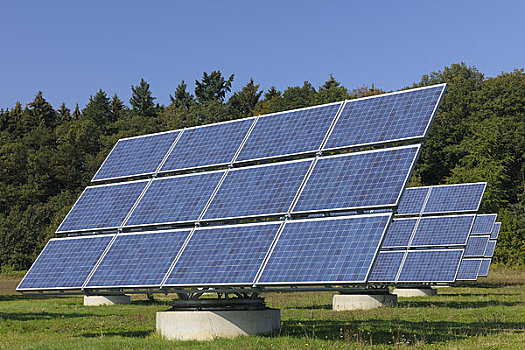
{"x":98,"y":181}
{"x":432,"y":250}
{"x":418,"y":153}
{"x":477,"y":273}
{"x":102,"y":228}
{"x":112,"y":235}
{"x":390,"y":215}
{"x":492,"y":228}
{"x":456,"y":211}
{"x":401,"y":247}
{"x":441,"y":245}
{"x":88,"y":288}
{"x":425,"y":134}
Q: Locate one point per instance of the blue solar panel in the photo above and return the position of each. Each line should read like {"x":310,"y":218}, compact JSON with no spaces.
{"x":476,"y":246}
{"x":207,"y":145}
{"x":483,"y":224}
{"x":468,"y":270}
{"x":443,"y":230}
{"x":136,"y":156}
{"x":430,"y":266}
{"x":292,"y":132}
{"x":404,"y":115}
{"x":139,"y":259}
{"x":484,"y":269}
{"x":399,"y":233}
{"x":455,"y":198}
{"x":65,"y":263}
{"x":260,"y":190}
{"x":386,"y":267}
{"x":325,"y":250}
{"x":412,"y":201}
{"x":175,"y":199}
{"x":489,"y":251}
{"x":356,"y":180}
{"x":495,"y":230}
{"x":229,"y":255}
{"x":104,"y":206}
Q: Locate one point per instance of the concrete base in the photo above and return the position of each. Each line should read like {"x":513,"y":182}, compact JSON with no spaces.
{"x":96,"y":300}
{"x":345,"y":302}
{"x":208,"y":325}
{"x":414,"y":292}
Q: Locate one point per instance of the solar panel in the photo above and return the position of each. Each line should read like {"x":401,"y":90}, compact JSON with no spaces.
{"x":412,"y":201}
{"x":225,"y":255}
{"x":175,"y":199}
{"x":402,"y":115}
{"x":207,"y":145}
{"x":259,"y":190}
{"x":495,"y":230}
{"x":138,"y":259}
{"x":483,"y":224}
{"x":356,"y":180}
{"x":101,"y":207}
{"x":443,"y":231}
{"x":425,"y":266}
{"x":468,"y":270}
{"x":484,"y":269}
{"x":134,"y":156}
{"x":399,"y":233}
{"x":386,"y":267}
{"x":65,"y":263}
{"x":455,"y":198}
{"x":489,"y":251}
{"x":331,"y":250}
{"x":476,"y":246}
{"x":288,"y":133}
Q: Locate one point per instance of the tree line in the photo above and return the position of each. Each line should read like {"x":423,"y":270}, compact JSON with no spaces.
{"x":48,"y":156}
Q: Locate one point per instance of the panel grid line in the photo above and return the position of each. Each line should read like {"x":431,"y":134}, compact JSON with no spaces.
{"x":169,"y":152}
{"x":99,"y":261}
{"x":177,"y":257}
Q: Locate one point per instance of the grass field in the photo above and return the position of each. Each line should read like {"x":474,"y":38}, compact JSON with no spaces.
{"x":489,"y":314}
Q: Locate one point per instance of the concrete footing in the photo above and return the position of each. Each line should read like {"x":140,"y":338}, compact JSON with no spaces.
{"x":345,"y":302}
{"x":208,"y":325}
{"x":414,"y":292}
{"x":96,"y":300}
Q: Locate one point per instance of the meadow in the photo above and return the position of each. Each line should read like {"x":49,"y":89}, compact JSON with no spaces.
{"x":487,"y":314}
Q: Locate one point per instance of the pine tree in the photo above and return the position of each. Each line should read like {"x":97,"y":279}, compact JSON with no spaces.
{"x":212,"y":87}
{"x":116,"y":107}
{"x":142,"y":100}
{"x":76,"y":113}
{"x":98,"y":109}
{"x":244,"y":101}
{"x":182,"y":98}
{"x":64,"y":113}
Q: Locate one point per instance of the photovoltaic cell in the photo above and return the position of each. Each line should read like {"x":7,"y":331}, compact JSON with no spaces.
{"x":386,"y":267}
{"x":495,"y":230}
{"x":484,"y":269}
{"x":136,"y":156}
{"x":208,"y":145}
{"x":229,"y":255}
{"x":104,"y":206}
{"x":175,"y":199}
{"x":355,"y":180}
{"x":443,"y":230}
{"x":412,"y":201}
{"x":483,"y":224}
{"x":65,"y":263}
{"x":286,"y":133}
{"x":399,"y":233}
{"x":455,"y":198}
{"x":489,"y":251}
{"x":430,"y":265}
{"x":260,"y":190}
{"x":325,"y":250}
{"x":476,"y":246}
{"x":389,"y":117}
{"x":139,"y":259}
{"x":468,"y":270}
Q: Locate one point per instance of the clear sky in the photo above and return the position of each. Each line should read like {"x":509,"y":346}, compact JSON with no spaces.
{"x":70,"y":49}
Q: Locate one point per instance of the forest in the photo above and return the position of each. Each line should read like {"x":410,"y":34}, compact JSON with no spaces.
{"x":48,"y":155}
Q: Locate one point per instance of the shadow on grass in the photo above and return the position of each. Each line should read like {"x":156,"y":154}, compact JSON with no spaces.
{"x":128,"y":334}
{"x":456,"y":304}
{"x":376,"y":331}
{"x":152,"y":302}
{"x":27,"y":316}
{"x":478,"y":284}
{"x":12,"y":297}
{"x":476,"y":294}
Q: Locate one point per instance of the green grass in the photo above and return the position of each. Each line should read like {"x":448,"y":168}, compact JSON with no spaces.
{"x":489,"y":314}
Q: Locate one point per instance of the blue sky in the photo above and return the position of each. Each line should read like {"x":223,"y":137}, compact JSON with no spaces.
{"x":70,"y":49}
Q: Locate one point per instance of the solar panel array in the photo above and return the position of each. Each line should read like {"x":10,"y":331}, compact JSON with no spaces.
{"x":227,"y":184}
